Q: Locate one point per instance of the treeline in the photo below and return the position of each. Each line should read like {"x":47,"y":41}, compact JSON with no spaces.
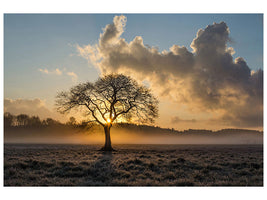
{"x":26,"y":121}
{"x":159,"y":130}
{"x":23,"y":120}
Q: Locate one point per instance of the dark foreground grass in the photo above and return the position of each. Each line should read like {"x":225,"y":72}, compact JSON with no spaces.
{"x":133,"y":165}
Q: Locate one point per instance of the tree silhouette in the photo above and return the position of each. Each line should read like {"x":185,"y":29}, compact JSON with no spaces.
{"x":110,"y":99}
{"x":50,"y":122}
{"x":23,"y":119}
{"x":72,"y":122}
{"x":35,"y":121}
{"x":8,"y":119}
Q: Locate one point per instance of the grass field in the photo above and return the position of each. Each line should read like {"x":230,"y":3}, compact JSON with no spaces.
{"x":133,"y":165}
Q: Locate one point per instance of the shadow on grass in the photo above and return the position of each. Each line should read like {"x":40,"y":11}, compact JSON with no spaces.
{"x":101,"y":171}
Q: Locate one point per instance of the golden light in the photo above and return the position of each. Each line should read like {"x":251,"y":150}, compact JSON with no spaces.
{"x":108,"y":120}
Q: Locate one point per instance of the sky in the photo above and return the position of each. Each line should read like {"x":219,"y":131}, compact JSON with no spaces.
{"x":205,"y":84}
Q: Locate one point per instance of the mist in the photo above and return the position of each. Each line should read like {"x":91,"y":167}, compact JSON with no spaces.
{"x":126,"y":136}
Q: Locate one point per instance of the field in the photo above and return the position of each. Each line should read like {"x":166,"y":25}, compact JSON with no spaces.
{"x":133,"y":165}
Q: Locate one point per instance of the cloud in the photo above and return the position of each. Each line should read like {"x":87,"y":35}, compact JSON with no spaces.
{"x":36,"y":107}
{"x":207,"y":79}
{"x":27,"y":106}
{"x":45,"y":71}
{"x":56,"y":71}
{"x":176,"y":120}
{"x":73,"y":76}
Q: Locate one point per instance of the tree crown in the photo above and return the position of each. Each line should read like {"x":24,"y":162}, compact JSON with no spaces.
{"x":110,"y":98}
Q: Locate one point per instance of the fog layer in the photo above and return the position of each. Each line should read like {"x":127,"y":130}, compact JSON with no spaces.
{"x":124,"y":136}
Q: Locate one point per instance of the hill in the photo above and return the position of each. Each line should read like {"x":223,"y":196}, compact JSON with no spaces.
{"x":125,"y":133}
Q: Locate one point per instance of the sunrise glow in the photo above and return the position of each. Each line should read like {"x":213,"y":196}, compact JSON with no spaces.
{"x":194,"y":91}
{"x":133,"y":100}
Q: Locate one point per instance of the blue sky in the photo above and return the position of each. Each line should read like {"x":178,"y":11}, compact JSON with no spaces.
{"x":47,"y":41}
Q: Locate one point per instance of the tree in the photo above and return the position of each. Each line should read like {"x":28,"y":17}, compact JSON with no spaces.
{"x":112,"y":98}
{"x":72,"y":122}
{"x":50,"y":122}
{"x":35,"y":121}
{"x":8,"y":119}
{"x":23,"y":120}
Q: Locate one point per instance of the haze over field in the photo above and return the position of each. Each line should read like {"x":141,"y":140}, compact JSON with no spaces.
{"x":130,"y":134}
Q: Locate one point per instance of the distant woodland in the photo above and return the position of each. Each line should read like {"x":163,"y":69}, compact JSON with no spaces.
{"x":23,"y":121}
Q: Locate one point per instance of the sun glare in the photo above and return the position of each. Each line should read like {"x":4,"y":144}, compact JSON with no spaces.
{"x":108,"y":121}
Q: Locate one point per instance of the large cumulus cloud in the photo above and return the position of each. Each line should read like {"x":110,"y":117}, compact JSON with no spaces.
{"x":207,"y":79}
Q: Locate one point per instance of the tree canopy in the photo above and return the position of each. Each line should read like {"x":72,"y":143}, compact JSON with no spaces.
{"x":112,"y":97}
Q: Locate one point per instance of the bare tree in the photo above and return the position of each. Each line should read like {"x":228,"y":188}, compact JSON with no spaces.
{"x":110,"y":99}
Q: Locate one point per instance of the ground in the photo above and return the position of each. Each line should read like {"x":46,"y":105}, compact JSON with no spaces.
{"x":133,"y":165}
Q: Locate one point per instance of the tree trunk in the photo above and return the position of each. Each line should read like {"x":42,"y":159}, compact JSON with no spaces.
{"x":107,"y":146}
